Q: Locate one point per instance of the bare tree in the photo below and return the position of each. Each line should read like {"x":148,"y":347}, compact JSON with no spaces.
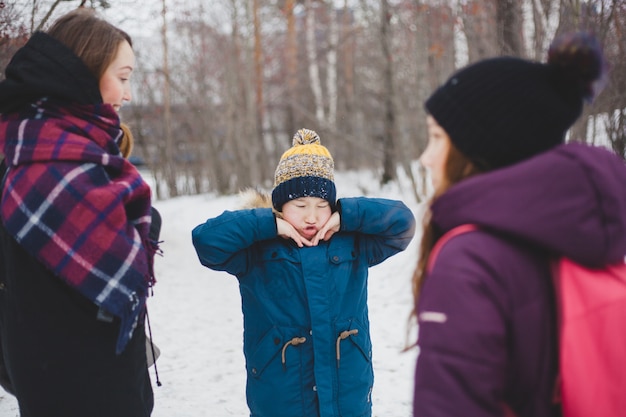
{"x":509,"y":27}
{"x":167,"y":148}
{"x":237,"y":96}
{"x":545,"y":19}
{"x":480,"y":28}
{"x":312,"y":61}
{"x":359,"y":74}
{"x":388,"y":138}
{"x":15,"y":24}
{"x":259,"y":82}
{"x":291,"y":60}
{"x":493,"y":27}
{"x":610,"y":105}
{"x":13,"y":34}
{"x":331,"y":70}
{"x":347,"y":48}
{"x":422,"y":89}
{"x":37,"y":5}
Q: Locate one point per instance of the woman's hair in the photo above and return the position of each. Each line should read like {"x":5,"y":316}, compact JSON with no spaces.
{"x":457,"y":167}
{"x":96,"y":42}
{"x":92,"y":39}
{"x":127,"y":141}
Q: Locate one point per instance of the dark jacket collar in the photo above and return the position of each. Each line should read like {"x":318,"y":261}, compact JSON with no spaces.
{"x":44,"y":67}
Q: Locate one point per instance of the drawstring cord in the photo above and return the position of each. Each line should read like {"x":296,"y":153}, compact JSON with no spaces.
{"x":156,"y":372}
{"x":293,"y":342}
{"x":343,"y":335}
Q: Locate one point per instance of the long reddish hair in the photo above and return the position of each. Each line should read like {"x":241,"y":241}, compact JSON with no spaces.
{"x":457,"y":167}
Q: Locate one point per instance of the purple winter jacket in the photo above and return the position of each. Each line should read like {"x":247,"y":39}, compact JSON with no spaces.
{"x":487,"y":332}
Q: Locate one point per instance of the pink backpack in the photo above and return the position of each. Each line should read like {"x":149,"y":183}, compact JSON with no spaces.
{"x":591,"y":306}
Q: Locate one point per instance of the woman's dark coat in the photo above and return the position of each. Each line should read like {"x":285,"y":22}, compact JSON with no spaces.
{"x":58,"y":347}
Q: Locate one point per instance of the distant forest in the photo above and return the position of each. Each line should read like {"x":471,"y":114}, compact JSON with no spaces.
{"x":217,"y":99}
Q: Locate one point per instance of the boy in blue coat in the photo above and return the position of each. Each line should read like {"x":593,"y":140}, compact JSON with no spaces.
{"x":302,"y":264}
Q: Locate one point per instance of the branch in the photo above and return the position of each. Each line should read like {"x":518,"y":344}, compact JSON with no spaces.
{"x":47,"y":16}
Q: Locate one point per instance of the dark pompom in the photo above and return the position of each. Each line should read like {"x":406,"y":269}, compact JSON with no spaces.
{"x":579,"y":60}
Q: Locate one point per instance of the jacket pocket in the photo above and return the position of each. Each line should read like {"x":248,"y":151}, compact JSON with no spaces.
{"x":268,"y":347}
{"x":278,"y":375}
{"x":354,"y":368}
{"x":274,"y":346}
{"x":341,"y":258}
{"x":279,"y":267}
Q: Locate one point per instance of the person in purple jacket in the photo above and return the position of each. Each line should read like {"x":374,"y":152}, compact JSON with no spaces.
{"x":496,"y":131}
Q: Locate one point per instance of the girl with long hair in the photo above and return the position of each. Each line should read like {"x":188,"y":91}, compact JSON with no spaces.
{"x":485,"y":305}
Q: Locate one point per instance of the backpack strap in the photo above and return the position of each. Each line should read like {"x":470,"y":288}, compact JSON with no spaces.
{"x":455,"y":231}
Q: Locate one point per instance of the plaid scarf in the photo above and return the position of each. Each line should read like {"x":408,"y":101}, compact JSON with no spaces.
{"x":74,"y":203}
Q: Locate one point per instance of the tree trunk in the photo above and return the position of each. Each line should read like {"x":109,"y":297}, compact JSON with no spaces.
{"x":509,"y":24}
{"x":389,"y":134}
{"x":167,"y":155}
{"x":261,"y":149}
{"x":479,"y":22}
{"x":291,"y":60}
{"x":331,"y":71}
{"x":545,"y":19}
{"x":313,"y":65}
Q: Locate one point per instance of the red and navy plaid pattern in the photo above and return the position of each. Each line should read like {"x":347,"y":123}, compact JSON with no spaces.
{"x":72,"y":201}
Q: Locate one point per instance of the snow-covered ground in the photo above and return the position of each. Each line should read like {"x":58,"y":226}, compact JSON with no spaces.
{"x":197,"y":323}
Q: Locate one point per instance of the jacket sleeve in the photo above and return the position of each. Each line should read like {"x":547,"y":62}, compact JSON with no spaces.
{"x":462,"y":361}
{"x":386,"y":226}
{"x":223,"y":242}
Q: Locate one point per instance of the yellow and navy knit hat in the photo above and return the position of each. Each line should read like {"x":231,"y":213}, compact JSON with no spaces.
{"x":305,"y":170}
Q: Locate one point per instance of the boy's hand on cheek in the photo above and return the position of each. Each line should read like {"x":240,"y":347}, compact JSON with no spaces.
{"x":329,"y":229}
{"x":287,"y":231}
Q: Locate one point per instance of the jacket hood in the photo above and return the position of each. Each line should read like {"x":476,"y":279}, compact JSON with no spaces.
{"x":570,"y":200}
{"x":44,"y":67}
{"x":252,"y":198}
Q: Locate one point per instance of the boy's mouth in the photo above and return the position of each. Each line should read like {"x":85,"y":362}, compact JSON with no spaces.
{"x":309,"y":231}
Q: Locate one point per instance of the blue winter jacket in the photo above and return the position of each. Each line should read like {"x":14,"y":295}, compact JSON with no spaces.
{"x":306,"y":329}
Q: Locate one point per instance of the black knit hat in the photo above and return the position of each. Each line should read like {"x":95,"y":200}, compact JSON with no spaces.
{"x":503,"y":110}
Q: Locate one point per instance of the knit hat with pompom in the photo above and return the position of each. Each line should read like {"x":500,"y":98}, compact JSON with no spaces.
{"x":500,"y":111}
{"x":305,"y":170}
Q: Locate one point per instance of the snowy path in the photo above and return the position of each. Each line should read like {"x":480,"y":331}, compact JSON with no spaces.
{"x":196,"y":322}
